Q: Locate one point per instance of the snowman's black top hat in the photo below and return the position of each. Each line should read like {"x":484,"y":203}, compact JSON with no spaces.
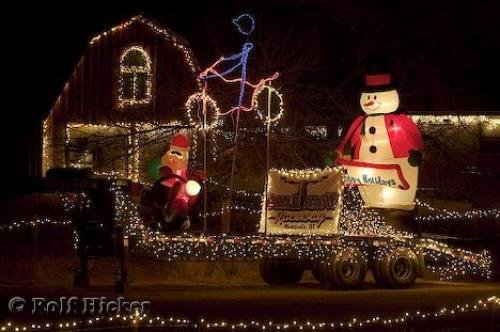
{"x":378,"y":76}
{"x":378,"y":82}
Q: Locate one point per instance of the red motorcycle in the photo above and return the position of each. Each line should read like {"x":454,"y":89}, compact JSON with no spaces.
{"x":172,"y":203}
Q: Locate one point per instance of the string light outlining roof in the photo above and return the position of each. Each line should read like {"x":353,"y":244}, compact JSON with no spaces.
{"x":177,"y":41}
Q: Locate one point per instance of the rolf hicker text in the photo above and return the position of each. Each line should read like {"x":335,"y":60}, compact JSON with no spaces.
{"x":76,"y":305}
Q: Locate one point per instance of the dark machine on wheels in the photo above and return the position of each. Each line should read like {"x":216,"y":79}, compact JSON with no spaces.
{"x":92,"y":213}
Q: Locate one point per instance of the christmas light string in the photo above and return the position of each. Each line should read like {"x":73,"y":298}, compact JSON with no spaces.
{"x":241,"y":28}
{"x":45,"y":145}
{"x":241,"y":59}
{"x":258,"y":89}
{"x":130,"y":130}
{"x":195,"y":108}
{"x":260,"y":112}
{"x":451,"y":262}
{"x":177,"y":41}
{"x":445,"y":215}
{"x":490,"y":122}
{"x":225,"y":247}
{"x":211,"y":72}
{"x":243,"y":192}
{"x":143,"y":320}
{"x":358,"y":228}
{"x":240,"y":65}
{"x":33,"y":223}
{"x":135,"y":71}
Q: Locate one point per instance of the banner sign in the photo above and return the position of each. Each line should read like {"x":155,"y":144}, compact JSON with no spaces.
{"x":362,"y":173}
{"x":303,"y":202}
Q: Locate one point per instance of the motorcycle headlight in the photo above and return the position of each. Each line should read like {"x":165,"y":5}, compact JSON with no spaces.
{"x":192,"y":188}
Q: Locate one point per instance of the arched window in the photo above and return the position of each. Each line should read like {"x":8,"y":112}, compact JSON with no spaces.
{"x":135,"y":82}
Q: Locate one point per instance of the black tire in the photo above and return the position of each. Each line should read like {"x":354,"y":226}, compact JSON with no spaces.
{"x":396,"y":269}
{"x":345,"y":270}
{"x":276,"y":272}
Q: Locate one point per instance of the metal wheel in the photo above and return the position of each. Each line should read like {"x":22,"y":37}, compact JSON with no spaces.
{"x":396,"y":269}
{"x":345,"y":269}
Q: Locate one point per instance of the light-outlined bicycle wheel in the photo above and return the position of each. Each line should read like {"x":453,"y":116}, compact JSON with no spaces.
{"x":195,"y":108}
{"x":265,"y":96}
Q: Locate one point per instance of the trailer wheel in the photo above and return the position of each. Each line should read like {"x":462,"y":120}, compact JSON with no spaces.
{"x":277,"y":272}
{"x":396,"y":269}
{"x":345,"y":269}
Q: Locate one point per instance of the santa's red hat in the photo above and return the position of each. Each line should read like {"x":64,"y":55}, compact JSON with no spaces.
{"x":181,"y":141}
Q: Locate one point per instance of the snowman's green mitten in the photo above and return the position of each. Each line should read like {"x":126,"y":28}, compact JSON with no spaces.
{"x":347,"y":149}
{"x":415,"y":158}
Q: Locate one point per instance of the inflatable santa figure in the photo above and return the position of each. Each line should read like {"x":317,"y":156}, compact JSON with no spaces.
{"x":184,"y":189}
{"x":382,"y":150}
{"x":174,"y":195}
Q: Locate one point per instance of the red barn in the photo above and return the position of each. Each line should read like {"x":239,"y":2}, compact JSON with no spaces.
{"x":126,"y":93}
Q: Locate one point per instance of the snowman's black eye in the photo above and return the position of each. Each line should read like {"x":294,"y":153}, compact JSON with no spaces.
{"x":368,"y":97}
{"x":374,"y":97}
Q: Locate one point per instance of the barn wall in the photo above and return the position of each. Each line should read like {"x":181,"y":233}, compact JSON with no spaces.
{"x":91,"y":94}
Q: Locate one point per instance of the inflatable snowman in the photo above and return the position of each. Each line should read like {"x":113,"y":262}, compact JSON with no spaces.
{"x":382,"y":150}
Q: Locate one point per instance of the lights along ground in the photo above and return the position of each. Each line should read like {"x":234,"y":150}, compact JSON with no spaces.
{"x":301,"y":303}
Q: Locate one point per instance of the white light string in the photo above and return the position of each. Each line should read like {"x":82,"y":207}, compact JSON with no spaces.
{"x":138,"y":320}
{"x":358,"y":227}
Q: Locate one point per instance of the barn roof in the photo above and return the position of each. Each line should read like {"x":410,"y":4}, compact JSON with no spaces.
{"x":168,"y":35}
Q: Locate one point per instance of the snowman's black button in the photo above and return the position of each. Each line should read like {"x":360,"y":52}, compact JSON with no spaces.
{"x":373,"y":149}
{"x":372,"y":130}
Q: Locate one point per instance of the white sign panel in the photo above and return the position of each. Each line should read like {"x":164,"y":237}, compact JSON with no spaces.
{"x":303,"y":202}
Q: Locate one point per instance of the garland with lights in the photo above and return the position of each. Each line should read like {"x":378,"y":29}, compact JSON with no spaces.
{"x":139,"y":320}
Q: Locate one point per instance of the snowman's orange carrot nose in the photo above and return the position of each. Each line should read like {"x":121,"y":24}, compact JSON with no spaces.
{"x":370,"y":103}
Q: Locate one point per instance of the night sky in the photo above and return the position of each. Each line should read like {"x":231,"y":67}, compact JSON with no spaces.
{"x":444,"y":53}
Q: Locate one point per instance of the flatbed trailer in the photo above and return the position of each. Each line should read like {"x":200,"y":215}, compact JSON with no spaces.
{"x":340,"y":261}
{"x":300,"y":229}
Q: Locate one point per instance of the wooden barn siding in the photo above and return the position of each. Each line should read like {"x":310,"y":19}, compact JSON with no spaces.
{"x":90,"y":95}
{"x":92,"y":90}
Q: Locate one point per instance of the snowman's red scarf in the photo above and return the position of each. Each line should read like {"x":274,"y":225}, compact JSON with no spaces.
{"x":361,"y":164}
